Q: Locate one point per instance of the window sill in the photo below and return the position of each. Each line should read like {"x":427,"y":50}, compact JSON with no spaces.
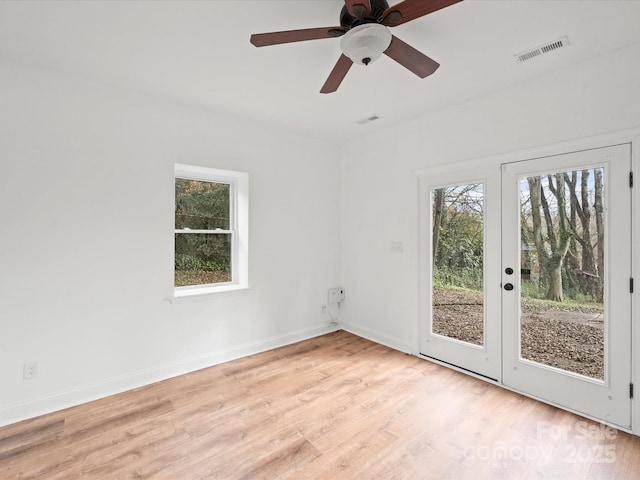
{"x":201,"y":293}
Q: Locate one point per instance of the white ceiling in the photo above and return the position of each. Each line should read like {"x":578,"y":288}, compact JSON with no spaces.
{"x":199,"y":52}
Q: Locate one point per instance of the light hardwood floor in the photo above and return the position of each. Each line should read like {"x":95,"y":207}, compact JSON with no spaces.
{"x":333,"y":407}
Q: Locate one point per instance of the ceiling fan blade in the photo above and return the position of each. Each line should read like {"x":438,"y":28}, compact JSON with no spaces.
{"x":410,"y":58}
{"x":358,"y":8}
{"x":337,"y":74}
{"x":409,"y":10}
{"x":289,"y":36}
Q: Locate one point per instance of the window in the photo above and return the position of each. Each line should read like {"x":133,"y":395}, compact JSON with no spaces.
{"x":210,"y":230}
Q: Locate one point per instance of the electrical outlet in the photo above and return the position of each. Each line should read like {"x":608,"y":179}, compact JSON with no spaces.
{"x":30,"y":370}
{"x":336,"y":295}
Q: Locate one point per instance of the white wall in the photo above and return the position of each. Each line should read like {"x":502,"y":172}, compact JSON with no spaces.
{"x":86,"y":251}
{"x":380,"y":195}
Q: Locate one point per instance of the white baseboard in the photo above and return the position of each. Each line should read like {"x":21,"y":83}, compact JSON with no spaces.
{"x":53,"y":402}
{"x":378,"y":337}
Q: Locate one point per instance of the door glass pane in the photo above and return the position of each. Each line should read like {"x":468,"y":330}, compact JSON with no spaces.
{"x":458,"y":253}
{"x":562,"y":274}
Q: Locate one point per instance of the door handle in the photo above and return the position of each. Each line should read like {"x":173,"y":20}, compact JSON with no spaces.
{"x":508,"y":286}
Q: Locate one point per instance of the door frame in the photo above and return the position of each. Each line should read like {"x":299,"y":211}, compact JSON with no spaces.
{"x":492,"y":164}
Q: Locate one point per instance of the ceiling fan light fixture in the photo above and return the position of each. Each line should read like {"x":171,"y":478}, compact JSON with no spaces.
{"x":365,"y":43}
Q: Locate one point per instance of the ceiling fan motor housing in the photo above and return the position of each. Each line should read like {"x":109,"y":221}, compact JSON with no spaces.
{"x":378,"y":7}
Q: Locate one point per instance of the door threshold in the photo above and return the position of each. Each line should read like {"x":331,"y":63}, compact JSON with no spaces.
{"x":460,"y":369}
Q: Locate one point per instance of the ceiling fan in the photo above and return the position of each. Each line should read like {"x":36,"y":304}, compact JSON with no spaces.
{"x":366,"y":36}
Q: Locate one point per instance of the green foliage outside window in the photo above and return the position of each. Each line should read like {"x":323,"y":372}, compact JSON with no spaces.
{"x":458,"y":236}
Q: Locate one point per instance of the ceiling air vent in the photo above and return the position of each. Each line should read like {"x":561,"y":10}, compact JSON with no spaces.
{"x":543,"y":49}
{"x":370,"y":119}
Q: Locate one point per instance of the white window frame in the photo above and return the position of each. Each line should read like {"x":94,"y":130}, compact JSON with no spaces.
{"x":238,"y":227}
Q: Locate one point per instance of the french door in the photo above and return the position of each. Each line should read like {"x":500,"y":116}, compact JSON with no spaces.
{"x":566,"y":270}
{"x":525,"y":277}
{"x":459,"y":270}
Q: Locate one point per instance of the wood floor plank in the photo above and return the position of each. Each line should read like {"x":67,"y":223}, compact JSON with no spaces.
{"x":336,"y":406}
{"x":25,"y":440}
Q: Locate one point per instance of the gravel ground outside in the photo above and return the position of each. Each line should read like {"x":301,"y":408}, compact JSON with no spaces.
{"x":566,"y":337}
{"x":199,"y":277}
